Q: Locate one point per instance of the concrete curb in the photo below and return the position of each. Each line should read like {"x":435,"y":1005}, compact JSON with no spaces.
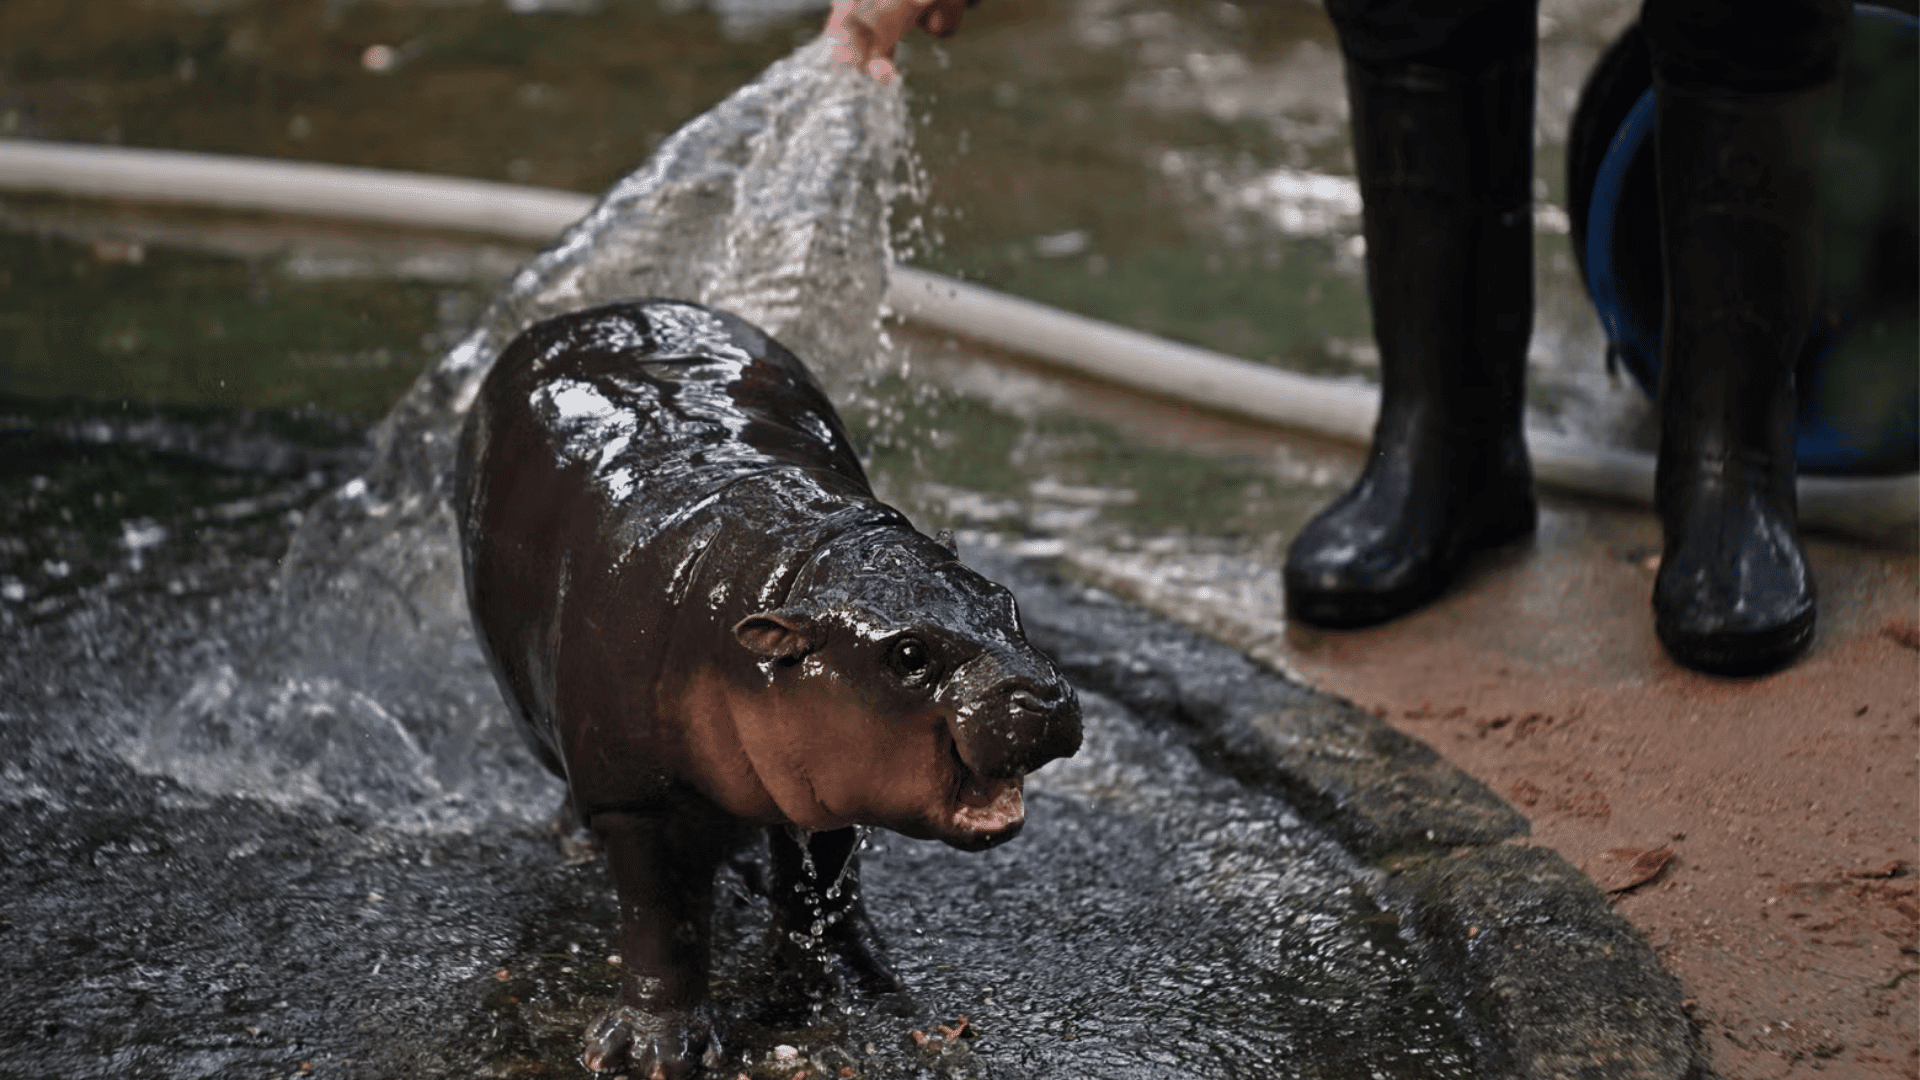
{"x":1547,"y":979}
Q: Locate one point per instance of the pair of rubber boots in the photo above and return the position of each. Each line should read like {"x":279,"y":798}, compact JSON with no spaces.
{"x":1445,"y":165}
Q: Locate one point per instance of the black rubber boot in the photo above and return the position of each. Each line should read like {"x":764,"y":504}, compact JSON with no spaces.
{"x":1446,"y":164}
{"x":1734,"y":594}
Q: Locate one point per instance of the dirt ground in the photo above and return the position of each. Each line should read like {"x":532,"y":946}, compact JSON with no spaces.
{"x":1770,"y":823}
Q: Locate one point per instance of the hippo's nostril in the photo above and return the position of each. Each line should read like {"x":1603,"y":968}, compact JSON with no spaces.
{"x":1046,"y":725}
{"x":1041,"y":700}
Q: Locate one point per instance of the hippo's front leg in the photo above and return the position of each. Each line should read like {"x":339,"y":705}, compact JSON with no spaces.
{"x":818,"y":915}
{"x":663,"y":872}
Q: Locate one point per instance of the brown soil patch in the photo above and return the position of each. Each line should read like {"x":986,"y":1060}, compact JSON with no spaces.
{"x":1763,"y":833}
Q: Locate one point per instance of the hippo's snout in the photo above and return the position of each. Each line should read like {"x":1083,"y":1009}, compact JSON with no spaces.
{"x":1047,"y":721}
{"x":1018,"y":726}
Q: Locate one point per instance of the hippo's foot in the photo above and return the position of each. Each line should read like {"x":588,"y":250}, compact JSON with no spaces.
{"x":578,"y":846}
{"x":857,"y":942}
{"x":818,"y":960}
{"x":670,"y":1044}
{"x":822,"y":941}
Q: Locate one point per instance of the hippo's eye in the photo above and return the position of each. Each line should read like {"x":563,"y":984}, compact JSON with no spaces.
{"x":910,"y":659}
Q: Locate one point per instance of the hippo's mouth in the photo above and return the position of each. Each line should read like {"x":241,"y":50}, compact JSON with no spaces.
{"x":985,"y":812}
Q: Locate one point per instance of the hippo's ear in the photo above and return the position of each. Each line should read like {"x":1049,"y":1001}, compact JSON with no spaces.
{"x":779,"y":635}
{"x":945,"y":539}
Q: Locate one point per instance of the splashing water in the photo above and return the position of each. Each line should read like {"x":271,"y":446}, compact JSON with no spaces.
{"x":372,"y":690}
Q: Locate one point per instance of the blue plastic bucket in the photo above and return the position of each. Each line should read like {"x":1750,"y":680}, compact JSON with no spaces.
{"x":1859,"y":370}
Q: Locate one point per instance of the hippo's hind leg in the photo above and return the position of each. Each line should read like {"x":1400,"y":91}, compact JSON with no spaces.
{"x":818,"y":915}
{"x":662,"y":867}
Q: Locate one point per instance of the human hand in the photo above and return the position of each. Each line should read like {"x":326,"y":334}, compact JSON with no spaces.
{"x":868,"y":30}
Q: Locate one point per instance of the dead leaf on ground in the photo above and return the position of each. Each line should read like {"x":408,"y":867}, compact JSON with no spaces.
{"x":1630,"y":868}
{"x":1891,"y":870}
{"x":1902,"y":632}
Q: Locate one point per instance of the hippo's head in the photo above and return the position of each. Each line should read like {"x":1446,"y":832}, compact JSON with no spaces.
{"x":908,"y":696}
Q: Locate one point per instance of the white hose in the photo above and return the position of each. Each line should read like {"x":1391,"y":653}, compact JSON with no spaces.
{"x":290,"y":187}
{"x":1877,"y":508}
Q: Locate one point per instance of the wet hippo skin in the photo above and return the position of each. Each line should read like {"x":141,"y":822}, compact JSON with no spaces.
{"x":704,"y":621}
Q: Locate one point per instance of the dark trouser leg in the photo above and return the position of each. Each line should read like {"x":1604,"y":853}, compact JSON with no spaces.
{"x":1442,"y":109}
{"x":1743,"y":100}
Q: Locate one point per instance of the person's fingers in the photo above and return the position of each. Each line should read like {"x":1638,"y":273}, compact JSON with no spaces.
{"x":943,"y":17}
{"x":868,"y":30}
{"x":853,"y":50}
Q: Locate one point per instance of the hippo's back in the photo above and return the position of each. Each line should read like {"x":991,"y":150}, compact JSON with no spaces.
{"x":656,"y":401}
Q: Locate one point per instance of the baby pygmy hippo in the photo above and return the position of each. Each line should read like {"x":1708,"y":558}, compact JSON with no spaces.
{"x":703,"y":619}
